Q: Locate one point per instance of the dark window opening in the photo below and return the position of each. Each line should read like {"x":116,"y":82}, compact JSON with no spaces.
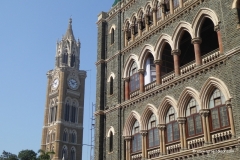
{"x":166,"y":7}
{"x":142,"y":21}
{"x":66,"y":115}
{"x":167,"y":60}
{"x":65,"y":58}
{"x":112,"y":36}
{"x":209,"y":37}
{"x":111,"y":142}
{"x":72,"y":60}
{"x":129,"y":35}
{"x":187,"y":49}
{"x":73,"y":114}
{"x":136,"y":138}
{"x":150,"y":16}
{"x":135,"y":26}
{"x":111,"y":86}
{"x":134,"y":77}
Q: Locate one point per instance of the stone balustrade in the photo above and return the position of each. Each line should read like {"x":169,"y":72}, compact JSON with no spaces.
{"x":210,"y":56}
{"x":221,"y":136}
{"x":168,"y":77}
{"x":173,"y":148}
{"x":195,"y":143}
{"x":154,"y":153}
{"x":188,"y":67}
{"x":150,"y":86}
{"x":134,"y":94}
{"x":136,"y":157}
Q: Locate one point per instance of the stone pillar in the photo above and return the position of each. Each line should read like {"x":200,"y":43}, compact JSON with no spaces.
{"x":176,"y":54}
{"x":125,"y":37}
{"x":196,"y":42}
{"x":154,"y":16}
{"x":180,"y":3}
{"x":162,"y":128}
{"x":158,"y":64}
{"x":171,"y":7}
{"x":146,"y":22}
{"x":230,"y":115}
{"x":139,"y":27}
{"x":126,"y":85}
{"x":144,"y":144}
{"x":217,"y":29}
{"x":128,"y":147}
{"x":141,"y":80}
{"x":204,"y":114}
{"x":132,"y":32}
{"x":181,"y":122}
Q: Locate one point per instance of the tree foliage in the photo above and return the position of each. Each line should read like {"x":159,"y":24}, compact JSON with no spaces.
{"x":27,"y":155}
{"x":8,"y":156}
{"x":44,"y":155}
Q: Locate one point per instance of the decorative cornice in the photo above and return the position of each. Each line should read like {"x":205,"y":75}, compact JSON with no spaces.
{"x":228,"y":103}
{"x":176,"y":52}
{"x":204,"y":112}
{"x":197,"y":40}
{"x":158,"y":61}
{"x":143,"y":132}
{"x":161,"y":127}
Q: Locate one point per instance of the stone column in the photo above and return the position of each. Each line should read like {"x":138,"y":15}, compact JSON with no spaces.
{"x":154,"y":10}
{"x":204,"y":114}
{"x":181,"y":122}
{"x":180,"y":3}
{"x":139,"y":27}
{"x":217,"y":29}
{"x":176,"y":54}
{"x":197,"y":50}
{"x":125,"y":37}
{"x":230,"y":115}
{"x":162,"y":128}
{"x":146,"y":22}
{"x":126,"y":85}
{"x":141,"y":80}
{"x":171,"y":7}
{"x":132,"y":32}
{"x":158,"y":64}
{"x":144,"y":144}
{"x":128,"y":147}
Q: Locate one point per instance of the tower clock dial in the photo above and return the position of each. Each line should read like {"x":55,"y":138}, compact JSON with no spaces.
{"x":55,"y":83}
{"x":72,"y":83}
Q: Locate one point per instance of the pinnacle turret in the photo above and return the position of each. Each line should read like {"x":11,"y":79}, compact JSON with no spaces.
{"x":69,"y":33}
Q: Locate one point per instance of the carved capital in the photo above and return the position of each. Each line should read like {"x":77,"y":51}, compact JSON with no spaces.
{"x":176,"y":52}
{"x":204,"y":112}
{"x":144,"y":132}
{"x":217,"y":28}
{"x":158,"y":61}
{"x":141,"y":71}
{"x":154,"y":9}
{"x":197,"y":40}
{"x":126,"y":79}
{"x":161,"y":127}
{"x":127,"y":138}
{"x":228,"y":104}
{"x":181,"y":120}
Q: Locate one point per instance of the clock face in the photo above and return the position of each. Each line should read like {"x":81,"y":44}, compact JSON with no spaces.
{"x":73,"y":84}
{"x":55,"y":83}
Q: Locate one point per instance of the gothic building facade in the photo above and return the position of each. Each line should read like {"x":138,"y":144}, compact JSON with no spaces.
{"x":168,"y":80}
{"x":63,"y":120}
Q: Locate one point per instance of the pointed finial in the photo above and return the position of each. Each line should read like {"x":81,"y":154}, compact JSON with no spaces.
{"x":70,"y":21}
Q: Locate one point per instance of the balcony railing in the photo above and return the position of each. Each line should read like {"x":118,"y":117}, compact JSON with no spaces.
{"x":187,"y":67}
{"x":173,"y":148}
{"x":150,"y":86}
{"x":222,"y":136}
{"x":195,"y":143}
{"x":136,"y":157}
{"x":154,"y":153}
{"x":168,"y":77}
{"x":210,"y":56}
{"x":134,"y":94}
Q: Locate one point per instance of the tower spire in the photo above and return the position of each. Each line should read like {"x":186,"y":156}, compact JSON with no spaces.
{"x":69,"y":33}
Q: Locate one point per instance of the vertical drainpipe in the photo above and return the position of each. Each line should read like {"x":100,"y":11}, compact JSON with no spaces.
{"x":119,"y":88}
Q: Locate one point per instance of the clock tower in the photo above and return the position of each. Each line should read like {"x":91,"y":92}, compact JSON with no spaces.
{"x":63,"y":118}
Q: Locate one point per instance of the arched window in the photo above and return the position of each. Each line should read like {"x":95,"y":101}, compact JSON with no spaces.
{"x":172,"y":125}
{"x":150,"y":16}
{"x":64,"y":152}
{"x":73,"y":154}
{"x":135,"y":26}
{"x":111,"y":142}
{"x":153,"y":136}
{"x":48,"y":138}
{"x":111,"y":86}
{"x":159,"y":12}
{"x":167,"y":60}
{"x":67,"y":111}
{"x":65,"y":57}
{"x":166,"y":6}
{"x":72,"y":60}
{"x":150,"y":70}
{"x":112,"y":35}
{"x":142,"y":20}
{"x":136,"y":138}
{"x":134,"y":77}
{"x":219,"y":112}
{"x":194,"y":121}
{"x":129,"y":35}
{"x":65,"y":136}
{"x":53,"y":114}
{"x":73,"y":113}
{"x":73,"y":137}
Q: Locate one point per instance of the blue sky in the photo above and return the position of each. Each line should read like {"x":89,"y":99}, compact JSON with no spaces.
{"x":29,"y":30}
